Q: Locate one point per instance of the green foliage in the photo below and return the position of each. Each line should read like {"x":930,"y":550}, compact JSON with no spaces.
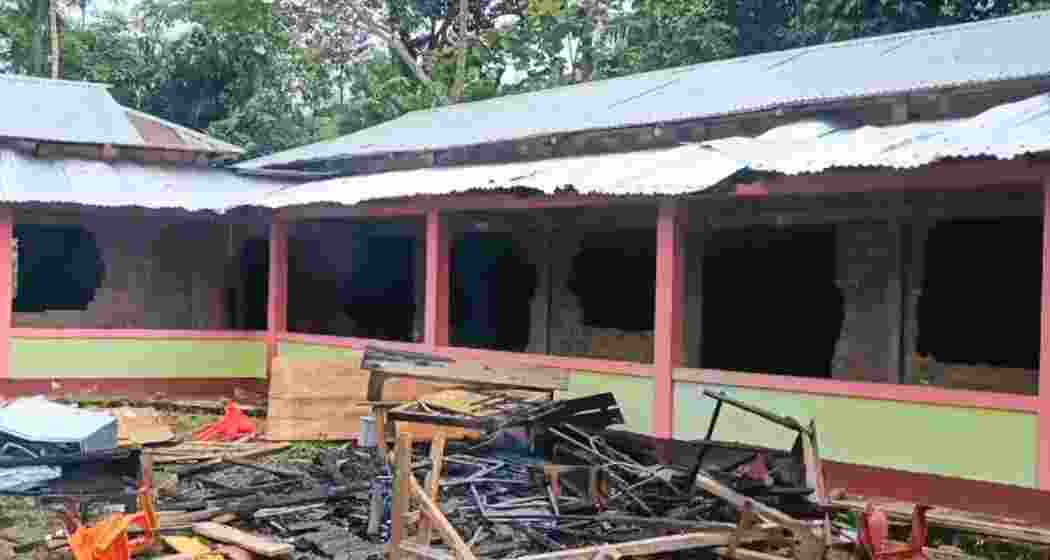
{"x":667,"y":33}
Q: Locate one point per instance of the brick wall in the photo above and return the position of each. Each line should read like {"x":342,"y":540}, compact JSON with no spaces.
{"x":569,"y":336}
{"x":868,"y":275}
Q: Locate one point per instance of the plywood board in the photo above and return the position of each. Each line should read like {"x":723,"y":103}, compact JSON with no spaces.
{"x":324,"y":400}
{"x":253,"y":543}
{"x":333,"y":419}
{"x":142,"y":426}
{"x":479,"y":374}
{"x":297,"y":377}
{"x":192,"y":547}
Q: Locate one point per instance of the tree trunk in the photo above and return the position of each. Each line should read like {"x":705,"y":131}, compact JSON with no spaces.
{"x":38,"y":51}
{"x":459,"y":81}
{"x":391,"y":37}
{"x":55,"y":56}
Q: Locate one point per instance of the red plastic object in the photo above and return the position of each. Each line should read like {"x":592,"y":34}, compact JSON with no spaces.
{"x":234,"y":425}
{"x":875,"y":531}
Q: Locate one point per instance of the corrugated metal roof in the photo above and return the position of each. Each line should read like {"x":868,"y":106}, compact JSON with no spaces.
{"x":1003,"y":132}
{"x":974,"y":53}
{"x":165,"y":133}
{"x":668,"y":171}
{"x":62,"y":111}
{"x":26,"y":179}
{"x":85,"y":113}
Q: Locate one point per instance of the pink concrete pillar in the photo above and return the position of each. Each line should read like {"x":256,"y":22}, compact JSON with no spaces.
{"x":670,"y":303}
{"x":7,"y":226}
{"x":277,"y":296}
{"x":438,"y":255}
{"x":1042,"y":472}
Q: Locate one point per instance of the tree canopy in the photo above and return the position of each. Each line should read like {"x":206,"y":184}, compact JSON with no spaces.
{"x":272,"y":74}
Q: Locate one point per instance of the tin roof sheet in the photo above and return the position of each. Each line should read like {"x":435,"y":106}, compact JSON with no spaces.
{"x":85,"y":113}
{"x":1003,"y":132}
{"x":58,"y":110}
{"x":40,"y":420}
{"x":27,"y":179}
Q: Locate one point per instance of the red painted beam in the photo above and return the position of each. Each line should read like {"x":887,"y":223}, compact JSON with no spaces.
{"x":136,"y":334}
{"x":244,"y":390}
{"x":1042,"y":460}
{"x":7,"y":227}
{"x":422,"y":205}
{"x":277,"y":296}
{"x":667,"y":337}
{"x":920,"y":394}
{"x":438,"y":253}
{"x":1003,"y":500}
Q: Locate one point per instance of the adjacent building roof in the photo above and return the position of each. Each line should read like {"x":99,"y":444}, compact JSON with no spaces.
{"x":61,"y":111}
{"x":85,"y":113}
{"x":943,"y":57}
{"x":28,"y":179}
{"x":161,"y":133}
{"x":1003,"y":132}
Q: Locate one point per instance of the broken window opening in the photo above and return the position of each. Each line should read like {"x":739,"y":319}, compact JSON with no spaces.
{"x":353,"y":279}
{"x":344,"y":279}
{"x":59,"y":268}
{"x":614,"y":278}
{"x":492,"y":285}
{"x":770,"y":303}
{"x":979,"y":311}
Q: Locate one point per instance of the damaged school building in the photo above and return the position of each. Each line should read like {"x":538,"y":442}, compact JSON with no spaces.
{"x":853,"y":232}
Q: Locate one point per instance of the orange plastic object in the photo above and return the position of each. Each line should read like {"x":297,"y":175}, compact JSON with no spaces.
{"x":234,"y":425}
{"x":108,"y":539}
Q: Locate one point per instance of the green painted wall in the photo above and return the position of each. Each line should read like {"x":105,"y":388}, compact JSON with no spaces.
{"x":968,"y":443}
{"x":96,"y":358}
{"x":316,"y":352}
{"x":635,"y":395}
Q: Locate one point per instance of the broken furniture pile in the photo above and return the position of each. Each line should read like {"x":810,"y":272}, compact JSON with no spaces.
{"x":553,"y":480}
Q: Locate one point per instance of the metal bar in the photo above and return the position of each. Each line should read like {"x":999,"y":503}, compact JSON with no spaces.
{"x":785,"y":421}
{"x":472,"y":481}
{"x":710,"y":432}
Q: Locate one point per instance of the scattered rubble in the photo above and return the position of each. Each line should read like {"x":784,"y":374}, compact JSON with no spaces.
{"x":544,"y":479}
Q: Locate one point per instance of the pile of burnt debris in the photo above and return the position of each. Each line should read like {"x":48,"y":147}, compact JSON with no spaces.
{"x":493,"y":468}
